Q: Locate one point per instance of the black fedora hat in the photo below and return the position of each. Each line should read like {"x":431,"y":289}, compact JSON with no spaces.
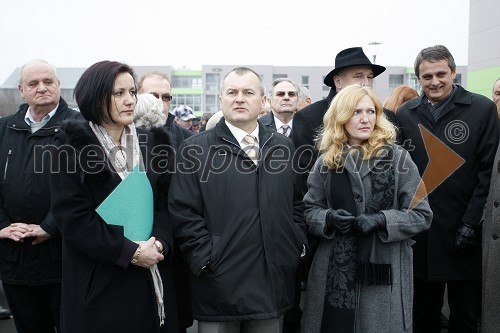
{"x":353,"y":56}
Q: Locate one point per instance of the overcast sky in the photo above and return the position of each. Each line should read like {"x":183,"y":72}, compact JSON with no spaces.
{"x":70,"y":33}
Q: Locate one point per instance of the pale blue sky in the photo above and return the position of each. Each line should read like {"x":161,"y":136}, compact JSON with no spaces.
{"x":70,"y":33}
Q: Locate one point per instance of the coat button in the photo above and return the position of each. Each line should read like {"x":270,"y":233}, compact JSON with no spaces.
{"x":359,"y":198}
{"x":495,"y":204}
{"x":56,"y":130}
{"x":494,"y":236}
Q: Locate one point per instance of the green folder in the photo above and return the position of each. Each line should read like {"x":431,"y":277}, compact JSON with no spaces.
{"x":131,"y":206}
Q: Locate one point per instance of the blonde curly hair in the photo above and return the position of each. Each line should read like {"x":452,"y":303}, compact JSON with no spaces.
{"x":333,"y":138}
{"x":148,"y":112}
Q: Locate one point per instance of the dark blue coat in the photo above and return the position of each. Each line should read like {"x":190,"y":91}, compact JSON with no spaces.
{"x":239,"y":226}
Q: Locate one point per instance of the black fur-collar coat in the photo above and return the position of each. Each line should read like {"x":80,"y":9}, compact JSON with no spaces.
{"x":101,"y":290}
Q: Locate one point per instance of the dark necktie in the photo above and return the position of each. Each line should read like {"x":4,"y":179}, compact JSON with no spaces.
{"x":284,"y":129}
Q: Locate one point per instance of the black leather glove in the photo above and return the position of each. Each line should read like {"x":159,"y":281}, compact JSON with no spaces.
{"x":467,"y":238}
{"x":340,"y":220}
{"x":368,"y":223}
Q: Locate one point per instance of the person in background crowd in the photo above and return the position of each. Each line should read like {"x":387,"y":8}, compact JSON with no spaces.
{"x":30,"y":242}
{"x":265,"y":110}
{"x":204,"y":119}
{"x":283,"y":98}
{"x":449,"y":253}
{"x":195,"y":125}
{"x":399,"y":96}
{"x":304,"y":98}
{"x":496,"y":94}
{"x":112,"y":282}
{"x":184,"y":116}
{"x":496,"y":91}
{"x":158,"y":84}
{"x":243,"y":259}
{"x":364,"y":203}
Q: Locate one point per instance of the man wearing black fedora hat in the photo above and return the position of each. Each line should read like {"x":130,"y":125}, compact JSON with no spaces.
{"x":352,"y":66}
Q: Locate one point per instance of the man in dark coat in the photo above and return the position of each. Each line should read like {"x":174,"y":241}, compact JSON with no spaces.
{"x":30,"y":244}
{"x":352,"y":66}
{"x":238,"y":215}
{"x":451,"y":133}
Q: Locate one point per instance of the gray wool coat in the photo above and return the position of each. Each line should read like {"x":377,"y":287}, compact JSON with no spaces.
{"x":490,"y":321}
{"x":379,"y":308}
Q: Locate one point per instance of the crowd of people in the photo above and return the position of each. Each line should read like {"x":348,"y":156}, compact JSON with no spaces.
{"x":125,"y":216}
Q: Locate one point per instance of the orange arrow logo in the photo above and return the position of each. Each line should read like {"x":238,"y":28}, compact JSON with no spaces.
{"x":443,"y":162}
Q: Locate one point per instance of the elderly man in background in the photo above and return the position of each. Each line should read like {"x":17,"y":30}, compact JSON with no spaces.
{"x":283,"y":98}
{"x":30,"y":242}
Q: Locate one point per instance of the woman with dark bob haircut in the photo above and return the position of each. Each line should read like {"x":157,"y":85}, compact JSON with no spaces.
{"x":113,"y":279}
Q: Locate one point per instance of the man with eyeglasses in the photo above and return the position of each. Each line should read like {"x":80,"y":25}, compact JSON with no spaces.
{"x":283,"y":98}
{"x":158,"y":84}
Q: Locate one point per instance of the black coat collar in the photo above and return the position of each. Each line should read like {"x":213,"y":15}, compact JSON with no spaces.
{"x":18,"y":122}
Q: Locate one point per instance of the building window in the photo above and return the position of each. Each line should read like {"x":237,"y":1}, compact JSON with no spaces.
{"x":305,"y":81}
{"x":279,"y":76}
{"x":193,"y":101}
{"x":211,"y":103}
{"x":458,"y":79}
{"x":212,"y":82}
{"x":395,"y":80}
{"x":192,"y":82}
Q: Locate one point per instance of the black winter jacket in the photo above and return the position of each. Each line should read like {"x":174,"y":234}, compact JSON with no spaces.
{"x":243,"y":222}
{"x":25,"y":197}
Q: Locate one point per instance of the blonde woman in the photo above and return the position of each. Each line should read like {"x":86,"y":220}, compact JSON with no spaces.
{"x":360,"y":203}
